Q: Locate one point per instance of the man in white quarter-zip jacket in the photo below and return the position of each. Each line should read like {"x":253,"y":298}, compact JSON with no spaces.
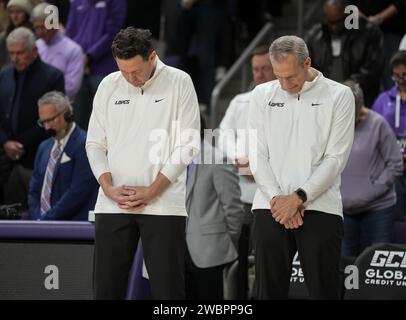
{"x":305,"y":128}
{"x":233,"y":142}
{"x":143,"y":131}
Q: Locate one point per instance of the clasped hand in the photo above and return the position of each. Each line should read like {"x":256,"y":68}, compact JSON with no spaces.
{"x":288,"y":210}
{"x":130,"y":197}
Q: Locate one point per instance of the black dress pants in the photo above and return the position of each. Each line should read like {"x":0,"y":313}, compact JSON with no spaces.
{"x":318,"y":242}
{"x":163,"y":241}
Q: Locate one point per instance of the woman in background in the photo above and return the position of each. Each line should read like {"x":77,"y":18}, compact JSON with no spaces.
{"x":367,"y":185}
{"x":18,"y":13}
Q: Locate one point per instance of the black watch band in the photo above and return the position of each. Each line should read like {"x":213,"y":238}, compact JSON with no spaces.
{"x":301,"y":194}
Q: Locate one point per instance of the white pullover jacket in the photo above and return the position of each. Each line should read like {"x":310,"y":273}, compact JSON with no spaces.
{"x":303,"y":141}
{"x":233,"y":139}
{"x":135,"y":133}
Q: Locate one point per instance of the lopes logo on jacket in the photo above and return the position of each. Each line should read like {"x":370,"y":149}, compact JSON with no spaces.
{"x":122,"y":102}
{"x":276,"y":104}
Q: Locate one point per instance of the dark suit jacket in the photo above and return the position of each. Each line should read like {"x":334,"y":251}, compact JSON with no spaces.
{"x":74,"y":188}
{"x":40,"y":78}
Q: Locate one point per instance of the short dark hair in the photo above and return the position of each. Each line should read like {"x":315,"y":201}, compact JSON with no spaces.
{"x":259,"y":51}
{"x":131,"y":42}
{"x":399,"y":58}
{"x":341,"y":4}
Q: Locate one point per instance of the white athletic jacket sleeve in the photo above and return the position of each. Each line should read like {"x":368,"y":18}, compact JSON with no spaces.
{"x":188,"y":134}
{"x":96,"y":144}
{"x":233,"y":128}
{"x":263,"y":173}
{"x":337,"y":150}
{"x":227,"y":132}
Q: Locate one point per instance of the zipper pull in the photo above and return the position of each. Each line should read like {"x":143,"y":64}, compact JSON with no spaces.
{"x":298,"y":97}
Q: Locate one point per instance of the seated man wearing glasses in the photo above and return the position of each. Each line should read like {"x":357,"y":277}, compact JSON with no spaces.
{"x":62,"y":186}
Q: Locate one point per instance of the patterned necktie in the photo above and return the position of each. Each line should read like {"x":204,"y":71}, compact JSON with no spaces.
{"x":47,"y":187}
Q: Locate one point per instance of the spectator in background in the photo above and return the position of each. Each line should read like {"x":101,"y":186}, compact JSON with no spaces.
{"x":234,"y":143}
{"x":3,"y":15}
{"x":62,"y":186}
{"x":58,"y":50}
{"x":93,"y":25}
{"x":195,"y":42}
{"x":391,"y":105}
{"x":22,"y":83}
{"x":215,"y":215}
{"x":342,"y":54}
{"x":19,"y":16}
{"x":390,"y":16}
{"x":232,"y":135}
{"x":368,"y":180}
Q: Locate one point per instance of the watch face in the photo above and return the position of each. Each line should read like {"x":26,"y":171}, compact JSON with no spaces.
{"x":302,"y":195}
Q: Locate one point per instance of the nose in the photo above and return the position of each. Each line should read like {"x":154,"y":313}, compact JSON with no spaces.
{"x":13,"y":58}
{"x":284,"y":83}
{"x":47,"y":126}
{"x":133,"y":78}
{"x":259,"y":74}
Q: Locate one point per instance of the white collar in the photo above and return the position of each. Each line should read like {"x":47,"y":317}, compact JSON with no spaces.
{"x":65,"y":139}
{"x":309,"y":84}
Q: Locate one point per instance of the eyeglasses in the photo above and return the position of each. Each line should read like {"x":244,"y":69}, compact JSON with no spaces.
{"x":42,"y":123}
{"x":399,"y":77}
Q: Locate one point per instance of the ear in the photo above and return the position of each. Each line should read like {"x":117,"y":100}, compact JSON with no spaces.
{"x":308,"y":62}
{"x":152,"y":56}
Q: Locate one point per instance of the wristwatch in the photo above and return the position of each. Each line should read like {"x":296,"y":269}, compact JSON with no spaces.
{"x":301,"y":194}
